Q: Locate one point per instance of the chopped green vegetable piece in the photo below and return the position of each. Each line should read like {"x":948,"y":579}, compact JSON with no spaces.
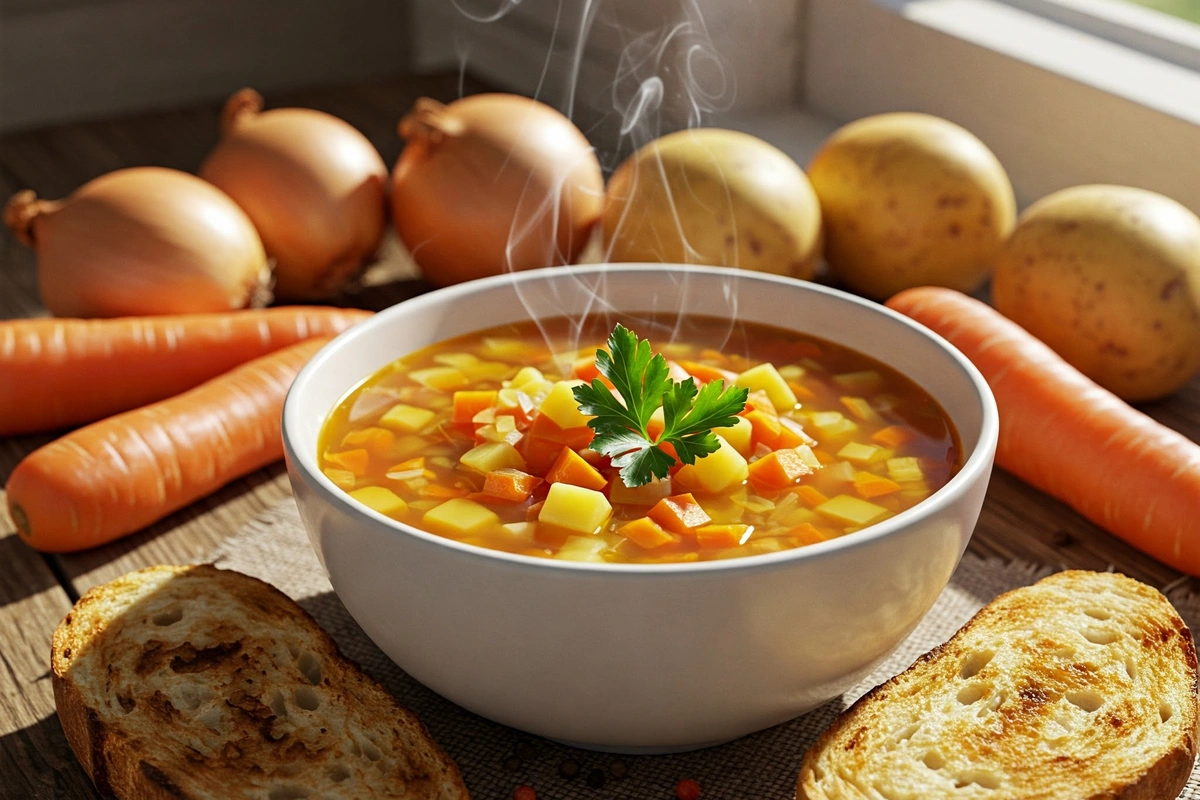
{"x":642,"y":379}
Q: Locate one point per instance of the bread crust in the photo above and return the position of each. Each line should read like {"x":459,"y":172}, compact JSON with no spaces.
{"x":126,"y":760}
{"x":1159,"y":777}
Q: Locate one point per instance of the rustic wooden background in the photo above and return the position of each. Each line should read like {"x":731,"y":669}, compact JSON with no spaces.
{"x":36,"y":591}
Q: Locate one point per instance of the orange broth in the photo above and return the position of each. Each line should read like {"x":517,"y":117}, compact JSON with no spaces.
{"x":467,"y":439}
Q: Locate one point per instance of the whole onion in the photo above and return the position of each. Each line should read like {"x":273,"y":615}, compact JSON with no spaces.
{"x":314,"y":186}
{"x":145,"y":240}
{"x":492,"y":183}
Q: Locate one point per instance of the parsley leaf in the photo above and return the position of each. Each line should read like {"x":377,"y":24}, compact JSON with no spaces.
{"x":642,"y":379}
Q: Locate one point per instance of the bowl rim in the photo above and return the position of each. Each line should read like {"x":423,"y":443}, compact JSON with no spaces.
{"x":979,"y":460}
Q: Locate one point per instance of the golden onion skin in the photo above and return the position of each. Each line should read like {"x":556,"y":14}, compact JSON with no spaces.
{"x":493,"y":183}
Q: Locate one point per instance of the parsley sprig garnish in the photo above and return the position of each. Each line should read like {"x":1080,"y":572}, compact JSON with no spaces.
{"x":643,"y":380}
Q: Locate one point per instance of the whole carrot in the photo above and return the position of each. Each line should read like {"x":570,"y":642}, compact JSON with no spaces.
{"x":60,"y":372}
{"x":113,"y":477}
{"x":1071,"y":438}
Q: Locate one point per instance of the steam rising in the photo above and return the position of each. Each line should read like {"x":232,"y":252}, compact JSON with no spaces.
{"x":667,"y":76}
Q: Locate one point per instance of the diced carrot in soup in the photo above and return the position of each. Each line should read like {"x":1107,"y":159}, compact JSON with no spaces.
{"x":570,"y":467}
{"x":376,"y":441}
{"x":509,"y":485}
{"x":469,"y":403}
{"x":480,"y":439}
{"x":679,"y":514}
{"x":645,"y":532}
{"x":778,"y":470}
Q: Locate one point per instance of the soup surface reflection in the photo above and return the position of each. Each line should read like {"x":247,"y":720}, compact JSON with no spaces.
{"x":479,"y":439}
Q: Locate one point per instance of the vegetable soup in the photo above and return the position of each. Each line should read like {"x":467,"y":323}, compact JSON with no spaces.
{"x":733,"y":440}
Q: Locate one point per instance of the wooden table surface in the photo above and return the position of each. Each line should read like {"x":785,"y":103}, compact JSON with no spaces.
{"x":36,"y":591}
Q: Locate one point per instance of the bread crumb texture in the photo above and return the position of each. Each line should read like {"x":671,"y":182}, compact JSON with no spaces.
{"x":195,"y":682}
{"x":1081,"y":686}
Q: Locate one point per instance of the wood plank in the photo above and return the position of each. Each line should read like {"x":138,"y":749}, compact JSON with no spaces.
{"x":35,"y":760}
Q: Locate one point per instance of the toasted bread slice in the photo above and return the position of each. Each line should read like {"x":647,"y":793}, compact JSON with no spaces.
{"x":199,"y":683}
{"x":1080,"y":686}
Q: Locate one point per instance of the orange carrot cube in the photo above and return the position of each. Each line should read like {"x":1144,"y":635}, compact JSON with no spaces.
{"x":576,"y":438}
{"x":469,"y":403}
{"x":764,"y":427}
{"x":551,"y":536}
{"x":355,"y":461}
{"x":545,"y":439}
{"x":869,"y":485}
{"x":376,"y":441}
{"x":509,"y":485}
{"x":531,"y":513}
{"x":801,"y":391}
{"x":570,"y":468}
{"x":778,"y":470}
{"x":706,"y":373}
{"x":806,"y":533}
{"x":714,"y":536}
{"x":893,"y":436}
{"x":585,"y":369}
{"x":679,"y":513}
{"x":810,"y":496}
{"x":645,"y":532}
{"x":440,"y":492}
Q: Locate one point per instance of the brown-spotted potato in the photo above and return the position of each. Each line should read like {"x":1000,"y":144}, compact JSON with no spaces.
{"x":910,"y":200}
{"x":716,"y":197}
{"x":1109,"y":277}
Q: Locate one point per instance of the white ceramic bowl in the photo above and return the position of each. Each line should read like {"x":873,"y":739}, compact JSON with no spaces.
{"x":639,"y":657}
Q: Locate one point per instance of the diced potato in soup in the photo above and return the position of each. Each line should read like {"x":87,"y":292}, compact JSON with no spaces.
{"x":481,"y":439}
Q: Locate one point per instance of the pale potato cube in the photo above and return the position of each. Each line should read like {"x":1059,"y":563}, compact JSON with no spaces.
{"x":406,"y":418}
{"x":766,"y":378}
{"x":721,"y":470}
{"x":792,"y":372}
{"x":499,"y":347}
{"x":527,"y":375}
{"x":460,"y":515}
{"x":561,"y":406}
{"x":459,"y":360}
{"x":521,"y":530}
{"x":492,"y":456}
{"x":842,"y":471}
{"x":582,"y":548}
{"x":865,"y":382}
{"x":441,"y":378}
{"x":475,"y":368}
{"x":808,"y":457}
{"x":385,"y":501}
{"x":861,"y":453}
{"x":738,"y":435}
{"x":574,"y":508}
{"x":850,"y":510}
{"x":832,"y":424}
{"x":537,"y":391}
{"x":905,"y":470}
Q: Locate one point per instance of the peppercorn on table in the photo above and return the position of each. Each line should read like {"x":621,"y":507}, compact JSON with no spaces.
{"x":1017,"y":523}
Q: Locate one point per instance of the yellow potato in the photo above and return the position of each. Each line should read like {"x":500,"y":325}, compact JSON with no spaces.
{"x":717,"y":197}
{"x":1109,"y":277}
{"x":910,"y":200}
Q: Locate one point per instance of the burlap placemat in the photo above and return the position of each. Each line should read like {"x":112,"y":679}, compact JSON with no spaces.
{"x":495,"y":759}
